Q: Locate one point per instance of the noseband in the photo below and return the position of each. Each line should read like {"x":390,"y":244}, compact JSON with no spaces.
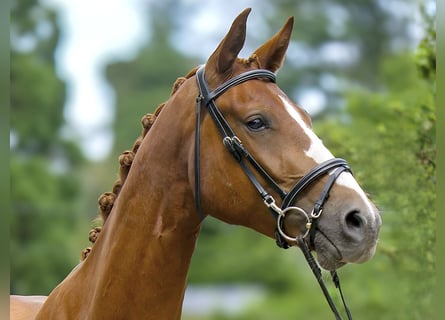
{"x":333,"y":167}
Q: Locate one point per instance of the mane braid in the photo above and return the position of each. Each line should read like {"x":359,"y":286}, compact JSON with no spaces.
{"x":107,"y":199}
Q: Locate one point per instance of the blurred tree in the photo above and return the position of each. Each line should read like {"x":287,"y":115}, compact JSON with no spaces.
{"x":142,"y":84}
{"x":43,"y":163}
{"x":340,"y":44}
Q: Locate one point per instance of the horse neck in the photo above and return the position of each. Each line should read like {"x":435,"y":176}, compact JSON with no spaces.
{"x":138,"y":266}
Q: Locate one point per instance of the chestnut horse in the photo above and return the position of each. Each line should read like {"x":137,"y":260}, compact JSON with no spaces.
{"x":182,"y":171}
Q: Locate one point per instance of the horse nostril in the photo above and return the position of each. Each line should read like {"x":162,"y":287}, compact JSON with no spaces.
{"x":354,"y":220}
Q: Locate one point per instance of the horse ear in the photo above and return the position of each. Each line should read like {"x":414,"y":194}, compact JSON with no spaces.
{"x":271,"y":54}
{"x":222,"y":59}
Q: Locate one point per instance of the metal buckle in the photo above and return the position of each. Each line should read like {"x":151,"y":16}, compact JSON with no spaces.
{"x":269,"y":201}
{"x":229,"y":143}
{"x":236,"y":140}
{"x":316,"y":215}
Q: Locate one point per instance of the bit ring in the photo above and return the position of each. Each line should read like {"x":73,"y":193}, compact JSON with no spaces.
{"x":280,"y":221}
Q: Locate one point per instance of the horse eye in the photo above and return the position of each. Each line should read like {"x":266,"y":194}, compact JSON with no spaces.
{"x":256,"y":124}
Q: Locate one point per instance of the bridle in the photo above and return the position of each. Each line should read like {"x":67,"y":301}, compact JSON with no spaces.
{"x":333,"y":167}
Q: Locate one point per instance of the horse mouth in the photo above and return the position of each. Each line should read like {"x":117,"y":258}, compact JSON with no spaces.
{"x":329,"y":256}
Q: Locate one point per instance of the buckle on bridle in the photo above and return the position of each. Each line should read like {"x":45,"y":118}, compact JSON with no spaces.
{"x":316,"y":213}
{"x":233,"y":144}
{"x":269,"y":201}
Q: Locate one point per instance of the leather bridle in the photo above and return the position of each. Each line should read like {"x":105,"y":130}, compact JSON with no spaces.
{"x":333,"y":167}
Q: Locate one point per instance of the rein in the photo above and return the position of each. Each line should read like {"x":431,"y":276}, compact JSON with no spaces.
{"x":333,"y":167}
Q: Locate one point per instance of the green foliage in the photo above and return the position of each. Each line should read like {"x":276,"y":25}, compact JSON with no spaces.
{"x":426,"y":51}
{"x":245,"y":253}
{"x":143,"y":84}
{"x":43,"y":165}
{"x":45,"y":93}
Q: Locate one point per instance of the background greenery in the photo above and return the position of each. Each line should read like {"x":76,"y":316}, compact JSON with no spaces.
{"x":380,"y":117}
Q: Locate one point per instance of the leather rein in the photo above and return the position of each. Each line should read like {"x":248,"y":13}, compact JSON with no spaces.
{"x":334,"y":167}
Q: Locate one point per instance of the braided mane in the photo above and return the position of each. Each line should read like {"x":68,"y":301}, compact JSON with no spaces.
{"x":107,"y":199}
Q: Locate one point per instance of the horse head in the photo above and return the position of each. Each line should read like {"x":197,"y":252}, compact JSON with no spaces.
{"x":278,"y":134}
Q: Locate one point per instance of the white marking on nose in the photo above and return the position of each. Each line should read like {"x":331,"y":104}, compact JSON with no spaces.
{"x":319,"y":153}
{"x":347,"y":180}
